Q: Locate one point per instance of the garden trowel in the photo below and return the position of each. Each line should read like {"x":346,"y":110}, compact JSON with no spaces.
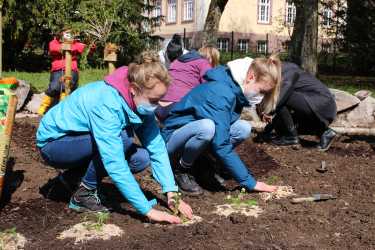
{"x":314,"y":197}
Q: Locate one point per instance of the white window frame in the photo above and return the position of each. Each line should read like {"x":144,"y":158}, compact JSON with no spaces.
{"x":156,"y":12}
{"x":172,"y":11}
{"x":223,"y":44}
{"x":262,"y":47}
{"x":188,"y":10}
{"x":327,"y":18}
{"x":264,"y":11}
{"x":243,"y":45}
{"x":290,"y":13}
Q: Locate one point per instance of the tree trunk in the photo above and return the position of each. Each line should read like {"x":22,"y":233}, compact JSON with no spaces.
{"x":211,"y":26}
{"x":304,"y":45}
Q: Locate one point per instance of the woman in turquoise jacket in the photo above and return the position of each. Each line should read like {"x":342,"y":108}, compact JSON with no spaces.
{"x":95,"y":124}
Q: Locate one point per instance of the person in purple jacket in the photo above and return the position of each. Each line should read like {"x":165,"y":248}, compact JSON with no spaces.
{"x":187,"y":72}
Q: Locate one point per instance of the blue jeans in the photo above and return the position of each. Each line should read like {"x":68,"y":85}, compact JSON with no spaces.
{"x":193,"y":138}
{"x":75,"y":151}
{"x":55,"y":86}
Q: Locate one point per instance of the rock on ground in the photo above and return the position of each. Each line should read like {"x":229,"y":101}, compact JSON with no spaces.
{"x":344,"y":100}
{"x":34,"y":103}
{"x":22,"y":92}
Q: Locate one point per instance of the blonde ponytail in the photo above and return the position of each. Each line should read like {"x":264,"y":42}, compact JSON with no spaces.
{"x":211,"y":53}
{"x":148,"y":67}
{"x":268,"y":70}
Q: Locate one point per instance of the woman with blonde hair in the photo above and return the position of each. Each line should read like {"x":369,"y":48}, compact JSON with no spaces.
{"x":305,"y":106}
{"x":209,"y":115}
{"x":94,"y":128}
{"x":187,"y":72}
{"x":211,"y":53}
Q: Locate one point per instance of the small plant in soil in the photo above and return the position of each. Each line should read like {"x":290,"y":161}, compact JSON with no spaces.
{"x":239,"y":199}
{"x":96,"y":221}
{"x":272,"y":179}
{"x":176,"y":203}
{"x":7,"y":234}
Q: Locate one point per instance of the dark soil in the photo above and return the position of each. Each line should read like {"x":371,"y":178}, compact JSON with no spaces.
{"x":345,"y":223}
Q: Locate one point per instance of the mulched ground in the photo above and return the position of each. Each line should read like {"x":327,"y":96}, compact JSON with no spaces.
{"x":345,"y":223}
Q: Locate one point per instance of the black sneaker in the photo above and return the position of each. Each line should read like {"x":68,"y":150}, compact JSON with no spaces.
{"x":285,"y":140}
{"x":326,"y":140}
{"x":187,"y":184}
{"x":85,"y":200}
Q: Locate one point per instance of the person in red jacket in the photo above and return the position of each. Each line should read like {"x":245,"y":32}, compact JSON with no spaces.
{"x":56,"y":86}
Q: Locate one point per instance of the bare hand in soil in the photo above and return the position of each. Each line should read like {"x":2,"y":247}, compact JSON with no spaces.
{"x":175,"y":200}
{"x":263,"y":187}
{"x":185,"y":210}
{"x":159,"y":216}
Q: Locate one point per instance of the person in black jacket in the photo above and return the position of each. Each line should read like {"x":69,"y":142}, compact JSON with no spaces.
{"x":305,"y":106}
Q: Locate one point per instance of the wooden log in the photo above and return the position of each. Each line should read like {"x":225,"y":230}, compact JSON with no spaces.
{"x":5,"y":137}
{"x":259,"y":126}
{"x":67,"y":48}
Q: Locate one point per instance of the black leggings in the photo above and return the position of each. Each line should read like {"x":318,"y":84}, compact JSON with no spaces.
{"x":296,"y":117}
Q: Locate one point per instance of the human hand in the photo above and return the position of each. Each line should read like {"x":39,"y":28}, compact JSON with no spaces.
{"x":266,"y":118}
{"x":160,"y":216}
{"x":175,"y":200}
{"x":263,"y":187}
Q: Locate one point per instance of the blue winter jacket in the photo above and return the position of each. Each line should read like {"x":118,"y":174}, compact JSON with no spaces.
{"x":99,"y":109}
{"x":221,"y":100}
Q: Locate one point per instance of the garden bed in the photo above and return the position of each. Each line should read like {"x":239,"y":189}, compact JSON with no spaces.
{"x":345,"y":223}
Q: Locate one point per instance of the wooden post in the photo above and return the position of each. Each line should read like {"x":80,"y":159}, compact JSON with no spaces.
{"x":67,"y":48}
{"x":232,"y":46}
{"x":110,"y":56}
{"x":5,"y":136}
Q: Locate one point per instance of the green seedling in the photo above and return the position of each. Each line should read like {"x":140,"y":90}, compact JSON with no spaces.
{"x":240,"y":201}
{"x":272,"y":179}
{"x":177,"y":201}
{"x":96,"y":222}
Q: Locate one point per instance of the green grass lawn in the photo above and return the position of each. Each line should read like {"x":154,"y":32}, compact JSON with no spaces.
{"x":350,"y":84}
{"x":39,"y":81}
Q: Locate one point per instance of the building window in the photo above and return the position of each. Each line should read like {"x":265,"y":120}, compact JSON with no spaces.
{"x":223,"y":44}
{"x":327,"y":18}
{"x":188,"y":10}
{"x":290,"y":15}
{"x":243,"y":45}
{"x":156,"y":12}
{"x":262,"y":47}
{"x":264,"y":11}
{"x":172,"y":11}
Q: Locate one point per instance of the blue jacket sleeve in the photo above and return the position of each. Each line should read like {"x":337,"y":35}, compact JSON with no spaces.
{"x":106,"y":128}
{"x":224,"y":150}
{"x":149,"y":135}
